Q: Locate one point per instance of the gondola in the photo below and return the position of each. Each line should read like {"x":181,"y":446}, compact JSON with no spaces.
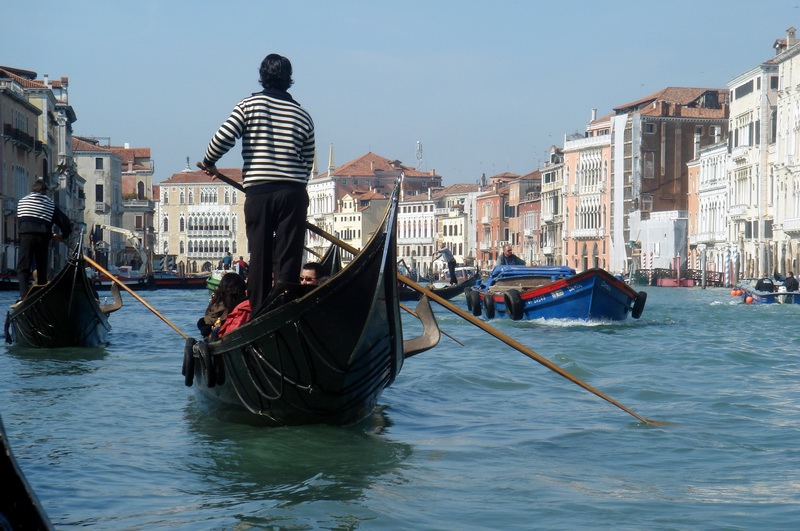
{"x":65,"y":312}
{"x":324,"y":357}
{"x":408,"y":294}
{"x":19,"y":506}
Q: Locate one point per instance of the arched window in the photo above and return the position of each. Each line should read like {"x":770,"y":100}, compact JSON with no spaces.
{"x":165,"y":224}
{"x":140,"y":190}
{"x":181,"y":247}
{"x":182,"y":225}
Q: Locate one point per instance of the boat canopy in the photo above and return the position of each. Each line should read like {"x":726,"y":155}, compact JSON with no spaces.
{"x":502,"y":272}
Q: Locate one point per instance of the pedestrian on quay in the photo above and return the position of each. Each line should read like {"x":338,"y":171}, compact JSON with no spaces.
{"x":278,"y":150}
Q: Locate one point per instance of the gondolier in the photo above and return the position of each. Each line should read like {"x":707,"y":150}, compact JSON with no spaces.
{"x":445,"y":254}
{"x":36,"y":214}
{"x":278,"y":151}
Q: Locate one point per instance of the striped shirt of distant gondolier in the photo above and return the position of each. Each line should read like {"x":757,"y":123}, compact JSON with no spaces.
{"x":277,"y":139}
{"x":36,"y":207}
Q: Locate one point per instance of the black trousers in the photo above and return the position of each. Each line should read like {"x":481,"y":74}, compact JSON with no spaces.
{"x":33,"y":249}
{"x":276,"y":230}
{"x":452,"y":266}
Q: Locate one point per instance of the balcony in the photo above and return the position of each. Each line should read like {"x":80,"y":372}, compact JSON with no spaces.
{"x":137,"y":203}
{"x":588,"y":233}
{"x":547,"y":217}
{"x":711,"y":237}
{"x":101,"y":207}
{"x":737,"y":211}
{"x":547,"y":249}
{"x":485,"y":220}
{"x":209,"y":233}
{"x":791,"y":225}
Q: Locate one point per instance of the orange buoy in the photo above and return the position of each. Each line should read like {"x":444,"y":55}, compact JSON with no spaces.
{"x":733,"y":293}
{"x":749,"y":300}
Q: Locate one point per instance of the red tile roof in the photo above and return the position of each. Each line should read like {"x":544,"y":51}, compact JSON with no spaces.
{"x":372,"y":165}
{"x":200,"y":177}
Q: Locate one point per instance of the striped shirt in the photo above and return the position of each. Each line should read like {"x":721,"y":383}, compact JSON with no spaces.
{"x":36,"y":207}
{"x":277,"y":139}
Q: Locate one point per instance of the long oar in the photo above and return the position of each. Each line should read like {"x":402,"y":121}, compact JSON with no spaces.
{"x":135,"y":296}
{"x":520,"y":347}
{"x":468,"y":317}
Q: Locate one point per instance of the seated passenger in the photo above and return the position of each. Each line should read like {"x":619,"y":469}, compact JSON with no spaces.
{"x":231,"y":291}
{"x":311,"y":274}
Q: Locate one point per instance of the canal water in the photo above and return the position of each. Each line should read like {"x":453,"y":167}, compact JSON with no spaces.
{"x":469,"y":437}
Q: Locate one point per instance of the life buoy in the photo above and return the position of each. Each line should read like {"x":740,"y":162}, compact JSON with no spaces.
{"x":638,"y":305}
{"x":488,"y":304}
{"x":188,"y":362}
{"x":514,"y":304}
{"x":208,"y":363}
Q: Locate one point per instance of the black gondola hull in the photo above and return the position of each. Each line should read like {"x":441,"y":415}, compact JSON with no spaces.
{"x":323,"y":358}
{"x":61,"y":313}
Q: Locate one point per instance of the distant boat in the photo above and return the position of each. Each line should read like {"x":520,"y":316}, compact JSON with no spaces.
{"x":766,"y":291}
{"x":442,"y":289}
{"x":170,"y":280}
{"x":65,"y":312}
{"x":554,"y":292}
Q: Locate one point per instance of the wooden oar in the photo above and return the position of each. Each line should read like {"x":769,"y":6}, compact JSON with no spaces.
{"x":135,"y":296}
{"x":468,"y":317}
{"x":412,"y":312}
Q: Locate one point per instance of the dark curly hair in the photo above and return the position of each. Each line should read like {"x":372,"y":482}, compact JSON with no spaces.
{"x":231,"y":291}
{"x":275,"y":72}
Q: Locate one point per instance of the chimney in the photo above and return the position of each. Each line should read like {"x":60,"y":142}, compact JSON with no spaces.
{"x":594,"y":114}
{"x":790,"y":37}
{"x":127,"y":145}
{"x":46,"y":80}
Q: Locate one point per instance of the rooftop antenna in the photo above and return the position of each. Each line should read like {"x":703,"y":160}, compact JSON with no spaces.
{"x":188,"y":168}
{"x":419,"y":155}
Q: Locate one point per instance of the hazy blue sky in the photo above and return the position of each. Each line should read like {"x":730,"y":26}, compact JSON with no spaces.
{"x":486,"y":87}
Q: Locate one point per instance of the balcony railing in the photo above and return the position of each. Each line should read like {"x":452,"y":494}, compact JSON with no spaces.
{"x":791,"y":225}
{"x":100,"y":207}
{"x":587,"y":233}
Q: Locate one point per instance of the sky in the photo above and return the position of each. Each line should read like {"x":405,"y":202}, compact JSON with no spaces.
{"x":484,"y":87}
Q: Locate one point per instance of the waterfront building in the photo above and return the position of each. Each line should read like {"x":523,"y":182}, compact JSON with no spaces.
{"x":588,"y":201}
{"x":101,"y":168}
{"x":493,"y":210}
{"x":652,"y":140}
{"x":199,"y":219}
{"x":551,"y":231}
{"x":784,"y":153}
{"x":753,"y":96}
{"x":707,"y":208}
{"x":37,"y":124}
{"x":369,"y":172}
{"x":357,"y":217}
{"x":417,"y":232}
{"x":529,"y":214}
{"x":137,"y":203}
{"x":518,"y":189}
